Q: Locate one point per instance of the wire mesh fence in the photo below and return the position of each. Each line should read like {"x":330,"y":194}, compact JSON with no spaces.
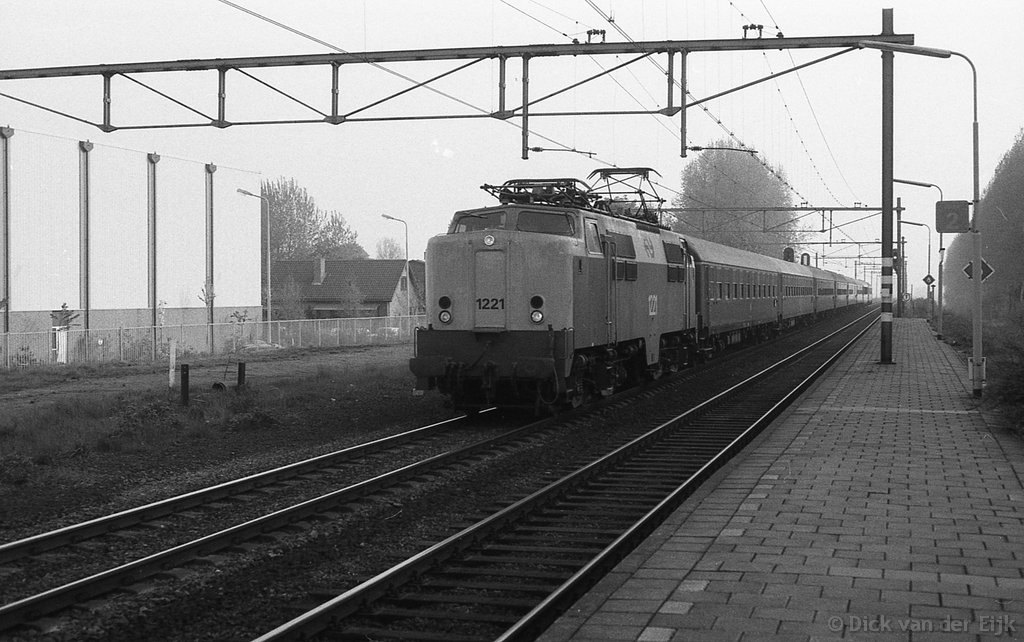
{"x":66,"y":345}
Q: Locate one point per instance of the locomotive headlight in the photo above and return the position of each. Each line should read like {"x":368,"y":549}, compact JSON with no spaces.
{"x":445,"y":316}
{"x":537,"y":302}
{"x":488,"y":240}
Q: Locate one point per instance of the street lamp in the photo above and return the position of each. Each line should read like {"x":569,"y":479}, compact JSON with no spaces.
{"x":942,"y":247}
{"x":977,"y":360}
{"x":266,"y":201}
{"x":408,"y":279}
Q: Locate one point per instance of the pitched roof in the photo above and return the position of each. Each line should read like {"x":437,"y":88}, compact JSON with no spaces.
{"x":418,"y":276}
{"x":375,"y":280}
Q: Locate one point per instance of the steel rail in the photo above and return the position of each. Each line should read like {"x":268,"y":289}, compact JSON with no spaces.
{"x":41,"y":542}
{"x":354,"y":599}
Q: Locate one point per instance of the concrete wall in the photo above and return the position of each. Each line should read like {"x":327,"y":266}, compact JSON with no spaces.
{"x":78,"y":218}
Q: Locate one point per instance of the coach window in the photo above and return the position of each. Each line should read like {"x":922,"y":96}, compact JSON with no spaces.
{"x":546,"y":223}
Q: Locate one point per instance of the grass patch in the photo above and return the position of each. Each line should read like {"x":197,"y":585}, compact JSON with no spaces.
{"x":41,"y":376}
{"x":45,"y":375}
{"x":153,"y":421}
{"x":1003,"y":349}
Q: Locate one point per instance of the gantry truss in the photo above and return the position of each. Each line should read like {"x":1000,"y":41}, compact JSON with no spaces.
{"x":673,"y":51}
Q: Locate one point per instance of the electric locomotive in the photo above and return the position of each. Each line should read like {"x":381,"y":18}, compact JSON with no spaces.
{"x":561,"y":292}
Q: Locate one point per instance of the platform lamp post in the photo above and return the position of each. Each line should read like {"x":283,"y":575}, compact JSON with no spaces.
{"x":977,"y":360}
{"x":926,"y":226}
{"x":942,"y":247}
{"x":408,"y":280}
{"x":270,"y":308}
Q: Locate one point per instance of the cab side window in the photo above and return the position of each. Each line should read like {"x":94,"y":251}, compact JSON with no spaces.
{"x":593,"y":237}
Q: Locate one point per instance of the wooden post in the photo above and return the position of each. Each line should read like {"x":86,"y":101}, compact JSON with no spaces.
{"x":184,"y":384}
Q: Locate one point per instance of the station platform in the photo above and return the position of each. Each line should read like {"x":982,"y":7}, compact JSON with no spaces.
{"x":884,"y":505}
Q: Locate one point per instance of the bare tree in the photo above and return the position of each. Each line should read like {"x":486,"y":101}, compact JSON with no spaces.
{"x":300,"y":230}
{"x":389,"y":248}
{"x":288,"y":301}
{"x":720,"y":179}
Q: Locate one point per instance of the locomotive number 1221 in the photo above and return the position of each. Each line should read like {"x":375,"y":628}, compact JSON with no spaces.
{"x":490,"y":304}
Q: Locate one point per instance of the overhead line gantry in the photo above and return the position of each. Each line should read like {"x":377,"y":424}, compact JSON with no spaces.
{"x":467,"y":57}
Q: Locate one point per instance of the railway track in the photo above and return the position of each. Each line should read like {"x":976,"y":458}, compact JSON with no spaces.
{"x":509,"y":575}
{"x":69,"y":535}
{"x":24,"y":552}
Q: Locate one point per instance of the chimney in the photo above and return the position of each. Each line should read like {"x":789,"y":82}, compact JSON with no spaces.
{"x":321,"y":271}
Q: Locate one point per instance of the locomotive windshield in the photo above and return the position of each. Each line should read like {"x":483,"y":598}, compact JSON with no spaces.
{"x":557,"y":223}
{"x":546,"y":223}
{"x":494,"y":220}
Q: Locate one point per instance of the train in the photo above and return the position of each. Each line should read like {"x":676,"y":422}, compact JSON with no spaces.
{"x":563,"y":292}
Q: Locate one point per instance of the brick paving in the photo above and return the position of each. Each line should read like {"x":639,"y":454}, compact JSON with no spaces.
{"x":884,"y":506}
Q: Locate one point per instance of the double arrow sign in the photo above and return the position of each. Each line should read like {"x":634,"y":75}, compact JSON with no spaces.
{"x":986,"y":270}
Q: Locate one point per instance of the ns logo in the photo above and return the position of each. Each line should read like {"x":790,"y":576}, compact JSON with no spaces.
{"x":648,"y":247}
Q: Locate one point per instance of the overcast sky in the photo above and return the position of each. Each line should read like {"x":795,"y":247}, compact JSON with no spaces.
{"x":822,"y":126}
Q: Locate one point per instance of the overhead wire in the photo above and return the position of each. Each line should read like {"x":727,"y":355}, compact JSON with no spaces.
{"x":392,"y":72}
{"x":793,"y":121}
{"x":814,"y":113}
{"x":729,"y":132}
{"x":810,"y":106}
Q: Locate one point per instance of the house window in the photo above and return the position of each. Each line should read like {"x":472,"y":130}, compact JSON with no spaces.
{"x":402,"y":284}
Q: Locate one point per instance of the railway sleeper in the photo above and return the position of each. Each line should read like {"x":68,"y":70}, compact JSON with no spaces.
{"x":527,"y":535}
{"x":509,"y":587}
{"x":580,"y":504}
{"x":371,"y":633}
{"x":461,"y":598}
{"x":617,"y":491}
{"x":512,"y":559}
{"x":559,"y":550}
{"x":569,"y":530}
{"x":644,"y":481}
{"x":521,"y":573}
{"x":561,"y":515}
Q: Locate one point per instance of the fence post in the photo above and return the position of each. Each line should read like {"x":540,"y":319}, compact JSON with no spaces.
{"x":241,"y":374}
{"x":172,"y":349}
{"x":184,"y":384}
